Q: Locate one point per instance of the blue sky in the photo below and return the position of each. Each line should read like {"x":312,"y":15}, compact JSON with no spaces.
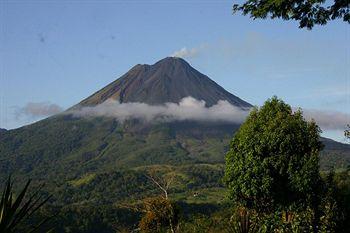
{"x":59,"y":52}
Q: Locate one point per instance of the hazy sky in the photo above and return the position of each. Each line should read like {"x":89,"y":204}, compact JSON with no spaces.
{"x":55,"y":53}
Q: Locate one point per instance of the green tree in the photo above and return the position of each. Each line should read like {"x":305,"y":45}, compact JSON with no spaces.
{"x":307,"y":13}
{"x":272,"y":164}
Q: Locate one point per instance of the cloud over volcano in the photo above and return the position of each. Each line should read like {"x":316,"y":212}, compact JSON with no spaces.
{"x":188,"y":108}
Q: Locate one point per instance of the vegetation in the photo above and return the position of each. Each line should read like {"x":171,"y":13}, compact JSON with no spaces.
{"x":272,"y":173}
{"x":160,"y":214}
{"x":62,"y":149}
{"x":273,"y":161}
{"x":110,"y":183}
{"x":307,"y":13}
{"x":14,"y":212}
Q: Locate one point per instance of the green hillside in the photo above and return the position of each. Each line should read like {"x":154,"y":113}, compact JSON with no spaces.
{"x":71,"y":154}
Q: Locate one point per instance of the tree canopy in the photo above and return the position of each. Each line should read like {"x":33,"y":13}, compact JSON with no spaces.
{"x":307,"y":13}
{"x":273,"y":159}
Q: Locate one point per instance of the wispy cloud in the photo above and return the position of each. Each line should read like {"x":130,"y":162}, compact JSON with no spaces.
{"x":187,"y":109}
{"x":37,"y":110}
{"x":185,"y":53}
{"x":190,"y":108}
{"x":328,"y":120}
{"x":188,"y":53}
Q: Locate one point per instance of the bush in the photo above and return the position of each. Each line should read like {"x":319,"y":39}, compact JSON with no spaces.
{"x":160,"y":214}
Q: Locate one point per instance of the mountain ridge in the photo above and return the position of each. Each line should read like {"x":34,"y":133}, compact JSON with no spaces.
{"x":168,"y":80}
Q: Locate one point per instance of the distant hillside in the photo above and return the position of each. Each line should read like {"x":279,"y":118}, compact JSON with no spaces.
{"x":335,"y":155}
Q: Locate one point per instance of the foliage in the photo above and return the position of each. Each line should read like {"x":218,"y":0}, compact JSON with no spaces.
{"x":209,"y":215}
{"x":307,"y":13}
{"x":331,"y":214}
{"x":160,"y":213}
{"x":204,"y":224}
{"x":335,"y":202}
{"x":13,"y":212}
{"x":244,"y":221}
{"x":273,"y":160}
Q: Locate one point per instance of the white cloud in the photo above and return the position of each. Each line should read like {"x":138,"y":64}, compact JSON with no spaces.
{"x":37,"y":110}
{"x":187,"y":109}
{"x":328,"y":120}
{"x":190,"y":108}
{"x":186,"y":53}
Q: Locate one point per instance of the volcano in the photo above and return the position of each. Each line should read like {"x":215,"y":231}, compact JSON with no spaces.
{"x":168,"y":80}
{"x":99,"y":159}
{"x":64,"y":147}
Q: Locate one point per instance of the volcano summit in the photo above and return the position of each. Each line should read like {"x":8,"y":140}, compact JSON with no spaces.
{"x":169,"y":80}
